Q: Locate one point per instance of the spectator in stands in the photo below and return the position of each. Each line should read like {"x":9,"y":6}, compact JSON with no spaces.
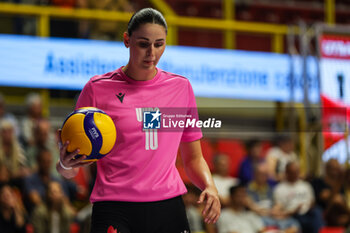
{"x":12,"y":212}
{"x":34,"y":113}
{"x":43,"y":138}
{"x":55,"y":214}
{"x":260,"y":193}
{"x":83,"y":217}
{"x":4,"y":175}
{"x":330,"y":194}
{"x":192,"y":209}
{"x":108,"y":30}
{"x":4,"y":115}
{"x":278,"y":156}
{"x":11,"y":153}
{"x":295,"y":198}
{"x":337,"y":214}
{"x":329,"y":188}
{"x":253,"y":158}
{"x":236,"y":218}
{"x":221,"y":177}
{"x":347,"y":186}
{"x":36,"y":184}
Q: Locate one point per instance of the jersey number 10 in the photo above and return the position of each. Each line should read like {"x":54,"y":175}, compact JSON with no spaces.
{"x":151,"y":135}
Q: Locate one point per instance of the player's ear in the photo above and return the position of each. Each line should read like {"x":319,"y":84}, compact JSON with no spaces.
{"x":126,"y":38}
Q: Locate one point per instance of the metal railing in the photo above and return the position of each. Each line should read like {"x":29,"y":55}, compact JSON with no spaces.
{"x":44,"y":13}
{"x":228,"y":24}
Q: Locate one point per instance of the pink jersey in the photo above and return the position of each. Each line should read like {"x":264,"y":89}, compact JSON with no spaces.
{"x":141,"y":166}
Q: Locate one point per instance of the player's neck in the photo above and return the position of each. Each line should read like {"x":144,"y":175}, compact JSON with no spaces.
{"x":139,"y":74}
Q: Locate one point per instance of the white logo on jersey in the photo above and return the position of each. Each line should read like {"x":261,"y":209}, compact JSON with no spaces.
{"x":151,"y":135}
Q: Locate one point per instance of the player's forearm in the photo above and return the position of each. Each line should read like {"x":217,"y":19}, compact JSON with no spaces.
{"x":198,"y":172}
{"x":66,"y":173}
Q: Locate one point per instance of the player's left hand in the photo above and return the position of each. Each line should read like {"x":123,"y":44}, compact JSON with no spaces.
{"x":212,"y":207}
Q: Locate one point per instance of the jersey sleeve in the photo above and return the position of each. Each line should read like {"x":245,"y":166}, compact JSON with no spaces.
{"x":191,"y":134}
{"x":86,"y":97}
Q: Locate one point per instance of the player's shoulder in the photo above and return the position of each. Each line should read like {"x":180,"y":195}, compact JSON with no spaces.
{"x":172,"y":76}
{"x":103,"y":77}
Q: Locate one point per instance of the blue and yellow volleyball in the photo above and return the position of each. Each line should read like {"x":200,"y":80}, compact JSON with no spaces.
{"x":91,"y":131}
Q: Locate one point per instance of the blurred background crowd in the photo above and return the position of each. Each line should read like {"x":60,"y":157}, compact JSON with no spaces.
{"x":259,"y":182}
{"x":260,"y":177}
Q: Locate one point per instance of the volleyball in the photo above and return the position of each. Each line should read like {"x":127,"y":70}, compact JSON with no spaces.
{"x":91,"y":131}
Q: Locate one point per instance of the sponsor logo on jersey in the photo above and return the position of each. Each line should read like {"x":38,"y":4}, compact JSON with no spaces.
{"x":120,"y":96}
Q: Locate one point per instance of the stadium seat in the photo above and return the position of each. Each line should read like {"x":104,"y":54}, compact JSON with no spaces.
{"x":332,"y":230}
{"x":81,"y":180}
{"x":29,"y":228}
{"x":208,"y":152}
{"x":74,"y":228}
{"x":235,"y":150}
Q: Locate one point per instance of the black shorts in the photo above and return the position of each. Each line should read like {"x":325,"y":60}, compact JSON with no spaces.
{"x":168,"y":216}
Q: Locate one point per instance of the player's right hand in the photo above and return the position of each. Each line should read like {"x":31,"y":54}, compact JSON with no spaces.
{"x":68,"y":159}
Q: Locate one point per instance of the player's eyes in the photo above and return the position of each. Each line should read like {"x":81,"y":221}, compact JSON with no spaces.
{"x":143,"y":44}
{"x":157,"y":45}
{"x":146,"y":44}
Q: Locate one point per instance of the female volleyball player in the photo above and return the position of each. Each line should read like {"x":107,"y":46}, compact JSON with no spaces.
{"x":137,"y":187}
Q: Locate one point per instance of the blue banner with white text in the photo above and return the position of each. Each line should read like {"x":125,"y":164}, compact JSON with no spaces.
{"x":59,"y":63}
